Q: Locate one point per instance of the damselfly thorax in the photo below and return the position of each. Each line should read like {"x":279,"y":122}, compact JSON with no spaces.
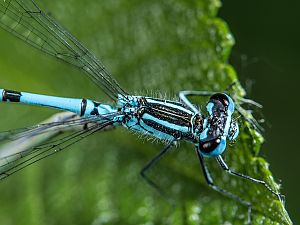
{"x":163,"y":119}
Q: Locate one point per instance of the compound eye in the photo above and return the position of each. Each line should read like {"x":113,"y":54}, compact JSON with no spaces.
{"x":220,"y":97}
{"x":209,"y":146}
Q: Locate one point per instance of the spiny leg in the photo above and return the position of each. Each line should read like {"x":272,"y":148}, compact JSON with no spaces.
{"x":226,"y":168}
{"x":151,"y":163}
{"x":241,"y":99}
{"x":242,"y":111}
{"x":250,"y":119}
{"x":184,"y":94}
{"x":249,"y":102}
{"x":228,"y":194}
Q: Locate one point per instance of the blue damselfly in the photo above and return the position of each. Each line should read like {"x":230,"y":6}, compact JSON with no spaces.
{"x":162,"y":119}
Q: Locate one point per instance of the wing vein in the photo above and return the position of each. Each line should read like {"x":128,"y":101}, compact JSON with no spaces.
{"x":27,"y":21}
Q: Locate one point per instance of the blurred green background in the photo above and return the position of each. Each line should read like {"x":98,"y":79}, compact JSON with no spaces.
{"x":266,"y":53}
{"x":150,"y":44}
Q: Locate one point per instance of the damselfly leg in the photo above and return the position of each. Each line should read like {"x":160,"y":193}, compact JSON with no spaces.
{"x":152,"y":163}
{"x":210,"y":182}
{"x":224,"y":166}
{"x":241,"y":99}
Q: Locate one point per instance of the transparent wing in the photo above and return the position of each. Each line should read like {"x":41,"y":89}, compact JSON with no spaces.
{"x":60,"y":122}
{"x":26,"y":20}
{"x":30,"y":145}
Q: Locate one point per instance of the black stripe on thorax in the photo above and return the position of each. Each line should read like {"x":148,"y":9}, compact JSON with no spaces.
{"x":167,"y":113}
{"x":159,"y":127}
{"x":83,"y":106}
{"x":168,"y":130}
{"x":174,"y":117}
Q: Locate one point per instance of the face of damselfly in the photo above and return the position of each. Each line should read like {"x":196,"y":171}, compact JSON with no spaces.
{"x":219,"y":126}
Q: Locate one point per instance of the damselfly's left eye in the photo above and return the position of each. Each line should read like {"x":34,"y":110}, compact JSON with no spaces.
{"x":209,"y":146}
{"x":212,"y":147}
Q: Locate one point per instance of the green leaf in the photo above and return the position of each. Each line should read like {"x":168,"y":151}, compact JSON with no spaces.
{"x":152,"y":48}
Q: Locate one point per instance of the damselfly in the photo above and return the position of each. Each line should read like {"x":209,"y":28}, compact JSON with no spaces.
{"x":165,"y":120}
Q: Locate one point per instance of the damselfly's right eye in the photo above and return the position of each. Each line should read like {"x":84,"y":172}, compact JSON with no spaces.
{"x":223,"y":98}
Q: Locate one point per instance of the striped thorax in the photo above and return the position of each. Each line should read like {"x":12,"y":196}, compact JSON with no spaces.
{"x":162,"y":119}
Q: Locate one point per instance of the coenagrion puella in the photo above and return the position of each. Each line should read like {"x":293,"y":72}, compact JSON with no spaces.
{"x":162,"y":119}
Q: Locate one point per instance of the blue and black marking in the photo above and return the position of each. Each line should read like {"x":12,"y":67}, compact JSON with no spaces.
{"x":217,"y":126}
{"x":11,"y":96}
{"x":83,"y":107}
{"x":165,"y":117}
{"x":95,"y":111}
